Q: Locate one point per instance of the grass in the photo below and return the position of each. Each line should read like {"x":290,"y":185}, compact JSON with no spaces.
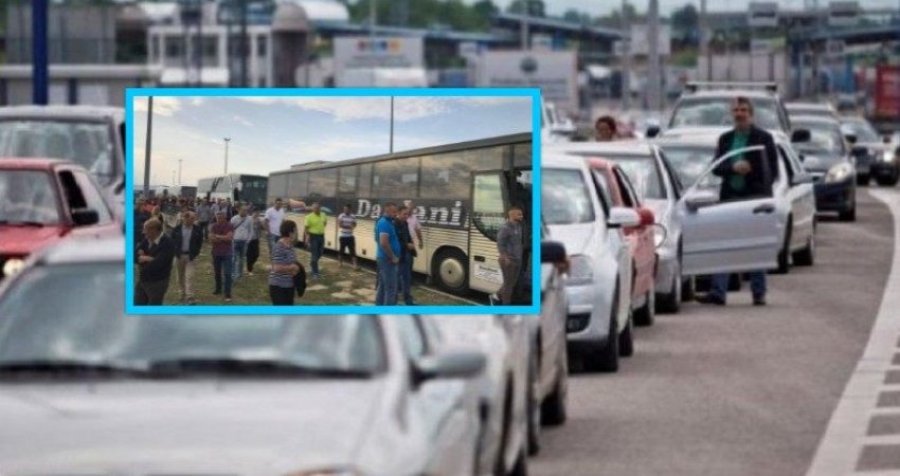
{"x":338,"y":285}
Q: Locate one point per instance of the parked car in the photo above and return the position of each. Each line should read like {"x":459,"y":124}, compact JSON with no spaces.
{"x":658,"y":187}
{"x":818,"y":109}
{"x":828,"y":158}
{"x":90,"y":136}
{"x":43,"y":201}
{"x":641,"y":238}
{"x":875,"y":156}
{"x":509,"y":409}
{"x":548,"y":333}
{"x":691,"y":151}
{"x":599,"y":322}
{"x":87,"y":390}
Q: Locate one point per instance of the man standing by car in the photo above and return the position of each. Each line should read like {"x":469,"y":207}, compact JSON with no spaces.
{"x":388,"y":257}
{"x":274,"y":217}
{"x":188,"y":239}
{"x":510,"y":245}
{"x":347,"y":223}
{"x":744,"y":176}
{"x":154,"y":258}
{"x":314,"y":236}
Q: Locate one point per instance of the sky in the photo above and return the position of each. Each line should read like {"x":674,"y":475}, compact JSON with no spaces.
{"x":602,"y":7}
{"x":273,"y":133}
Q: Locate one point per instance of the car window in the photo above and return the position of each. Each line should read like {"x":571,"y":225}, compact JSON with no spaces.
{"x":794,"y":161}
{"x":861,"y":128}
{"x":28,"y":196}
{"x":690,"y":161}
{"x":643,"y":174}
{"x":565,"y":198}
{"x":413,"y":338}
{"x":716,"y":111}
{"x":602,"y":188}
{"x":824,"y":138}
{"x":675,"y":179}
{"x":628,"y":194}
{"x":92,"y":197}
{"x":786,"y":163}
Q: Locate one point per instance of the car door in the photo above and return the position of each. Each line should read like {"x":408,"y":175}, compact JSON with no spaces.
{"x":802,"y":197}
{"x":553,"y":316}
{"x":730,"y":236}
{"x":644,"y":249}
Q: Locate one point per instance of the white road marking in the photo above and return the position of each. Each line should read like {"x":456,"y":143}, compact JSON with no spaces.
{"x":845,"y":436}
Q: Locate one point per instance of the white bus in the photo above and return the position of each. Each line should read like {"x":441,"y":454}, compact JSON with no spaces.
{"x":461,"y":192}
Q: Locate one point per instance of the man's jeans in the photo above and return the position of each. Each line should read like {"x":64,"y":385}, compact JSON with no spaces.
{"x":405,"y":278}
{"x":240,"y":253}
{"x":386,"y":292}
{"x":316,"y":249}
{"x":222,"y":267}
{"x":273,"y":238}
{"x":757,"y":284}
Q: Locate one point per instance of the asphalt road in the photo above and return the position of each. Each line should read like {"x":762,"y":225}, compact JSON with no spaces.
{"x":739,"y":390}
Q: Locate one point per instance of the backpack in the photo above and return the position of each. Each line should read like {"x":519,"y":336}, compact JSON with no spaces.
{"x":300,"y":280}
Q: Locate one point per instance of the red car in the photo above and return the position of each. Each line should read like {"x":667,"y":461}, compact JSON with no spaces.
{"x":43,"y":201}
{"x":641,"y":241}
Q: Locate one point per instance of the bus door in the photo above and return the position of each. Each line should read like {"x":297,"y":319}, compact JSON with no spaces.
{"x":519,"y":184}
{"x":490,"y":199}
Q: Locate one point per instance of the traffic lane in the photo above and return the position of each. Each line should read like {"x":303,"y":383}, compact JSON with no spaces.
{"x":734,"y":390}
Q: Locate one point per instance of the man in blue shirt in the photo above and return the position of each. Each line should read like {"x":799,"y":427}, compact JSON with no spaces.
{"x":388,"y":256}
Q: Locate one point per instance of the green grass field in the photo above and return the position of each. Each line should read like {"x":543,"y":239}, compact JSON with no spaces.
{"x":338,"y":285}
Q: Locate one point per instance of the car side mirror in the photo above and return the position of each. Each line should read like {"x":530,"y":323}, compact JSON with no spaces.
{"x":553,"y":252}
{"x":449,"y":365}
{"x":623,"y":217}
{"x":652,"y":132}
{"x":800,"y":135}
{"x":85,"y":216}
{"x":851,"y":138}
{"x":646,"y":216}
{"x":701,"y":198}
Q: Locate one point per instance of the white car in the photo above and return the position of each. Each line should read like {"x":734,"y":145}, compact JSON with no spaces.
{"x":690,"y":151}
{"x":503,"y":386}
{"x":87,"y":390}
{"x":599,"y":323}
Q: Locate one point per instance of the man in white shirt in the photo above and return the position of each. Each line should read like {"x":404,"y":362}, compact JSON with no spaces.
{"x":243,"y":229}
{"x":415,"y":228}
{"x":273,"y":219}
{"x":347,"y":223}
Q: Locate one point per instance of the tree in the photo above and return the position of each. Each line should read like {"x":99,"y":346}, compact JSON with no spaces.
{"x":686,"y":19}
{"x":535,"y":8}
{"x":575,"y":16}
{"x":614,"y":19}
{"x":485,"y":8}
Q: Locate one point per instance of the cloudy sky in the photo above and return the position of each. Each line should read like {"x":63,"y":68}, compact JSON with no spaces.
{"x":601,"y":7}
{"x":269,"y":134}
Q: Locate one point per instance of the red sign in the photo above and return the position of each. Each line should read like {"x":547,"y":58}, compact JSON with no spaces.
{"x":887,"y":92}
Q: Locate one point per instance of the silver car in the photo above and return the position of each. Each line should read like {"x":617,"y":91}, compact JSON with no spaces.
{"x":87,"y":390}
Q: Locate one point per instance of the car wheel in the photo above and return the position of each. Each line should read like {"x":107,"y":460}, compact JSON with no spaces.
{"x":784,"y":262}
{"x":806,"y":256}
{"x":534,"y":407}
{"x":646,"y":315}
{"x":889,"y":181}
{"x":688,"y":288}
{"x":671,"y":302}
{"x":862,"y":179}
{"x":554,"y":411}
{"x":848,"y":215}
{"x":450,"y":270}
{"x":606,"y":359}
{"x":626,"y":338}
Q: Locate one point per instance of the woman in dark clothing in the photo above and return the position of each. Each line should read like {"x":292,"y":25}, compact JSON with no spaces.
{"x":284,"y":266}
{"x":407,"y":255}
{"x":253,"y":244}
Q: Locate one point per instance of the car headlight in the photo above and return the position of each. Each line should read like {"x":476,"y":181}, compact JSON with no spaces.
{"x":888,"y":156}
{"x":13,"y":266}
{"x":838,"y":173}
{"x":581,"y":271}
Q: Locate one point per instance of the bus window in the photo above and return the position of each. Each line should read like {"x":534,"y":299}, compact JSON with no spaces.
{"x":397,"y":178}
{"x":488,"y":207}
{"x":297,"y":186}
{"x":446,"y":176}
{"x":347,"y":180}
{"x":365,"y":181}
{"x":522,"y":155}
{"x":488,"y":158}
{"x":323,"y":188}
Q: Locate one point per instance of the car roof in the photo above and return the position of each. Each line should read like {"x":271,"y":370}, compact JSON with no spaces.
{"x":560,"y":159}
{"x":817,"y":119}
{"x":77,"y":250}
{"x":731,"y":93}
{"x":617,"y":147}
{"x":58,"y":111}
{"x":37,"y":163}
{"x":705,"y":134}
{"x":809,"y":105}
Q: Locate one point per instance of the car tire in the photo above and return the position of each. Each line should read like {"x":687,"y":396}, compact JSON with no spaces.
{"x":606,"y":359}
{"x":889,"y":181}
{"x":447,"y":263}
{"x":784,"y":261}
{"x":533,"y":407}
{"x":848,"y":215}
{"x":688,"y":288}
{"x":555,"y":411}
{"x":626,"y":338}
{"x":671,"y":302}
{"x":807,"y":256}
{"x":862,"y":179}
{"x":646,"y":315}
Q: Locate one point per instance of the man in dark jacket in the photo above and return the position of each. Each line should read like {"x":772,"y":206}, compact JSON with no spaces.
{"x":407,"y":254}
{"x":154,"y":258}
{"x":744,"y":176}
{"x":140,"y":216}
{"x":187,"y":239}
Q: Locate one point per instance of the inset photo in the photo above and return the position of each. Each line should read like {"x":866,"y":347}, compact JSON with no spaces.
{"x":333,"y":201}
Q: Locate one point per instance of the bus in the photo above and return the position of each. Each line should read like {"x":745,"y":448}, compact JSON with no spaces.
{"x":236,"y":187}
{"x":461,"y":193}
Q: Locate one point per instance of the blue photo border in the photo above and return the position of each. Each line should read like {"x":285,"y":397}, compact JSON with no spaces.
{"x":133,"y":93}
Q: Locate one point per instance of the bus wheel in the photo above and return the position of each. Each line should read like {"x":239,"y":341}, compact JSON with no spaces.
{"x":450,"y":270}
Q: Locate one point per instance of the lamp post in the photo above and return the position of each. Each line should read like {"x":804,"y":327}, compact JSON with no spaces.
{"x":227,"y":140}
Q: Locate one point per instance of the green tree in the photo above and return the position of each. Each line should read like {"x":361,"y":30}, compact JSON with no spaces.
{"x":686,"y":18}
{"x":534,"y":8}
{"x":575,"y":16}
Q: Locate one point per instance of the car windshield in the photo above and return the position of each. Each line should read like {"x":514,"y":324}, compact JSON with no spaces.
{"x":27,"y":197}
{"x":809,"y":111}
{"x":824,"y":138}
{"x":861,"y":128}
{"x":74,"y":313}
{"x":690,"y":161}
{"x":643,"y":173}
{"x":716,"y":111}
{"x":564,"y":197}
{"x":88,"y":144}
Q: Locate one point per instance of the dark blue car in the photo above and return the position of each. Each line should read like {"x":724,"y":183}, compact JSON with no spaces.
{"x":828,"y":158}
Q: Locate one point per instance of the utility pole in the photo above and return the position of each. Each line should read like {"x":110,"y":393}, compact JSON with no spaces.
{"x":392,"y":126}
{"x":147,"y":146}
{"x":626,"y":56}
{"x":179,"y":171}
{"x":227,"y":140}
{"x":523,"y":30}
{"x":373,"y":18}
{"x":244,"y":52}
{"x":40,"y":70}
{"x":654,"y":99}
{"x":705,"y":38}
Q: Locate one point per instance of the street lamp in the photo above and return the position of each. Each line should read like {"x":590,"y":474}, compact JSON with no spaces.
{"x":227,"y":140}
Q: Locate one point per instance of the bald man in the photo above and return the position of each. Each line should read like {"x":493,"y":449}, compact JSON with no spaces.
{"x":154,"y":258}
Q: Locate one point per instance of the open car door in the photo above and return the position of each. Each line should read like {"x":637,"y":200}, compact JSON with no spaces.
{"x":730,"y":236}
